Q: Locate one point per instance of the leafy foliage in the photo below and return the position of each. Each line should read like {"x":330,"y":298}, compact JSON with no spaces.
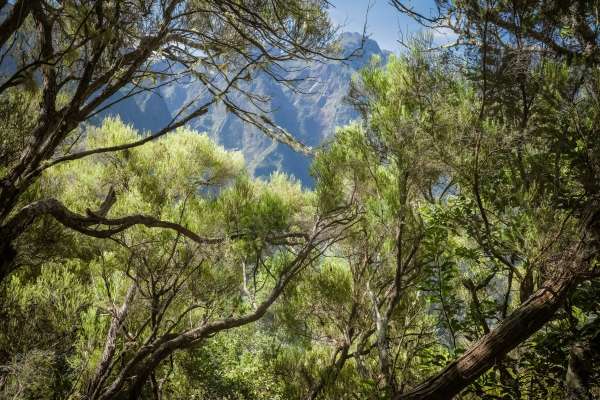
{"x":453,"y":230}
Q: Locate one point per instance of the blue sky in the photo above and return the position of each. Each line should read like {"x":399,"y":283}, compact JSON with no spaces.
{"x":384,"y":24}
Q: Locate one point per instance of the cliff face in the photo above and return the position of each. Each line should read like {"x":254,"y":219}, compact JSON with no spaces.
{"x":310,"y":117}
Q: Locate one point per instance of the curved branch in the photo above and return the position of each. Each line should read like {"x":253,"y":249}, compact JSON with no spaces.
{"x":516,"y":328}
{"x":110,"y":344}
{"x":169,"y":128}
{"x":88,"y":225}
{"x":140,"y":367}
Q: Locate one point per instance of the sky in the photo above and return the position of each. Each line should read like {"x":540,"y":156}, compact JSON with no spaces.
{"x":384,"y":23}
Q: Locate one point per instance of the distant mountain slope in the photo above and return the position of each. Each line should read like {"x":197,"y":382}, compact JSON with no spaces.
{"x":309,"y":117}
{"x":146,"y":111}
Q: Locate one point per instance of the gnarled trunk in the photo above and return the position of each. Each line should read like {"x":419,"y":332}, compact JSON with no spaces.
{"x":515,"y":329}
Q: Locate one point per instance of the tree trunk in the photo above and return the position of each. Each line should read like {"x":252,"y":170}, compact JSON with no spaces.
{"x":515,"y":329}
{"x":110,"y":345}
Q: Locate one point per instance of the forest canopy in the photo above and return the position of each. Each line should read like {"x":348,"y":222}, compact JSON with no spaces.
{"x":449,"y":246}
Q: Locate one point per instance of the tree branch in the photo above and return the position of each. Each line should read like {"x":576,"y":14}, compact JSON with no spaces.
{"x":516,"y":328}
{"x":20,"y":10}
{"x":86,"y":224}
{"x":171,"y":127}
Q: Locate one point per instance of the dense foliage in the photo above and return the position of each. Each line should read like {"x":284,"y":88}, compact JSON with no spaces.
{"x":450,"y":244}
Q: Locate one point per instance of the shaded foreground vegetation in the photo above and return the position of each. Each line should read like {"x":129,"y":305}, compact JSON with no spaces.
{"x":449,"y":247}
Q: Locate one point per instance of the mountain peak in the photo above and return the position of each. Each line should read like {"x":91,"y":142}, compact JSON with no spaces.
{"x":359,"y":48}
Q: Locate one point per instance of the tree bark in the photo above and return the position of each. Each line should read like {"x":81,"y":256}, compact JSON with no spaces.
{"x":15,"y":17}
{"x":516,"y":328}
{"x":110,"y":345}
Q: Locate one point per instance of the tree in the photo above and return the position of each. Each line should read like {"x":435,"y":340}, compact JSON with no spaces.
{"x":520,"y":56}
{"x":158,"y":292}
{"x":452,"y":237}
{"x":499,"y":251}
{"x":79,"y":57}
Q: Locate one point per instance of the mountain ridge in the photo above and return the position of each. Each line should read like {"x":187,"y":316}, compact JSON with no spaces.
{"x":310,"y":117}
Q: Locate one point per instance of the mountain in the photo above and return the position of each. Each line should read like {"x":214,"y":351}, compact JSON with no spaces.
{"x":147,"y":112}
{"x":311,"y":117}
